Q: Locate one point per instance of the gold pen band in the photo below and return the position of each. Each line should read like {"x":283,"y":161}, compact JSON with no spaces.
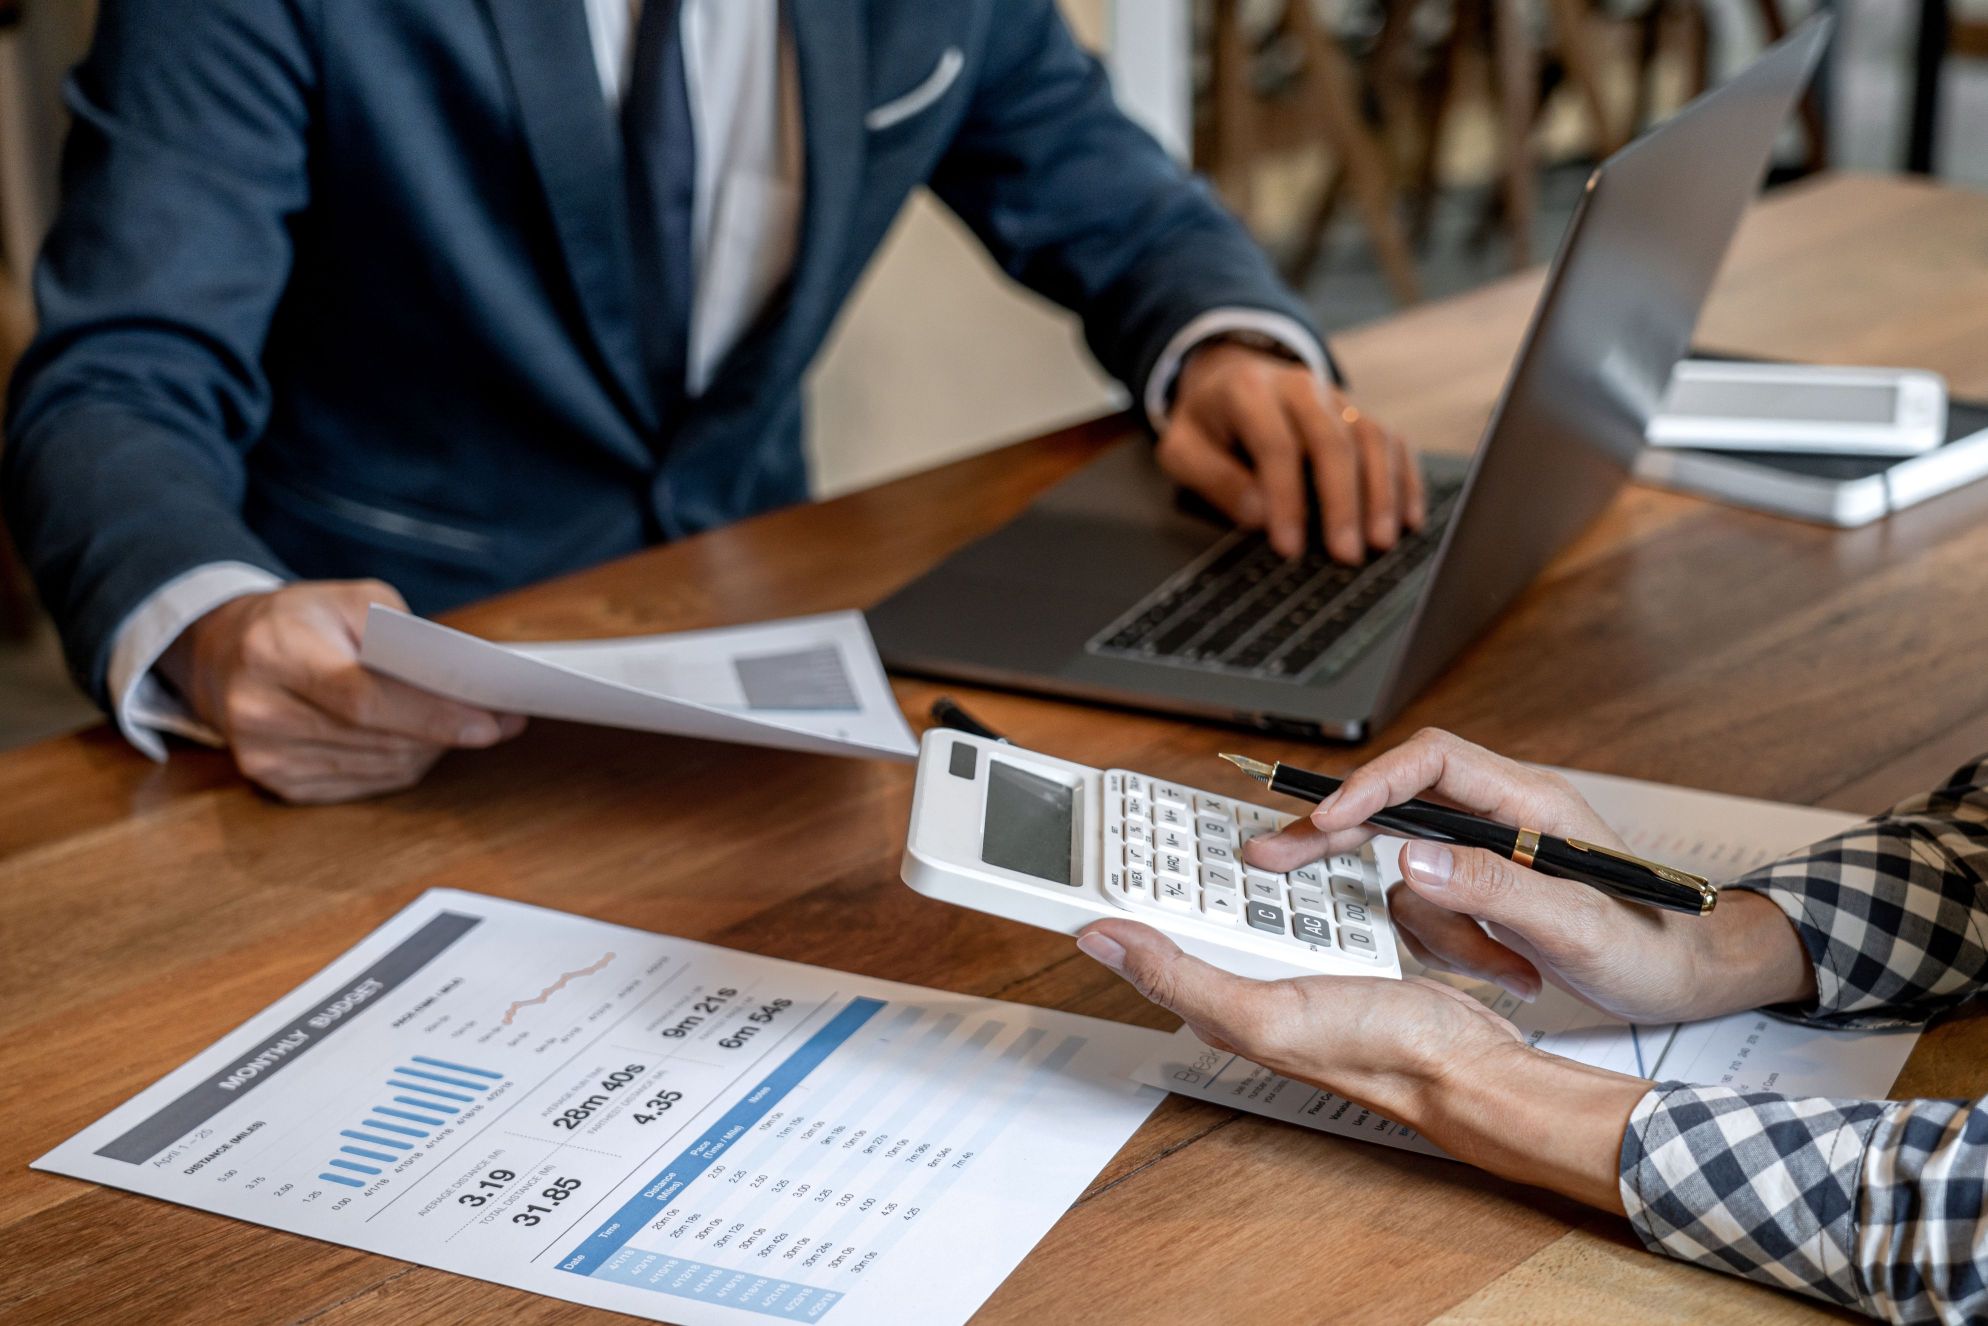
{"x":1525,"y":847}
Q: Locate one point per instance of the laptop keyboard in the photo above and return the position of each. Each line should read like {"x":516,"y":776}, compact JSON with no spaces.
{"x":1242,"y":608}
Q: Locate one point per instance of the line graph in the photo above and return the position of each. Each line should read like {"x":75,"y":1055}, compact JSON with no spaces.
{"x":511,"y":1013}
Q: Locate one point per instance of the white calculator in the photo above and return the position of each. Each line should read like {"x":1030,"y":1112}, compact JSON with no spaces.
{"x":1057,"y":845}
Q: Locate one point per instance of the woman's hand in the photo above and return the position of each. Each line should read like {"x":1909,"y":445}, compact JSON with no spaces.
{"x":1632,"y":961}
{"x":1383,"y":1042}
{"x":1420,"y":1053}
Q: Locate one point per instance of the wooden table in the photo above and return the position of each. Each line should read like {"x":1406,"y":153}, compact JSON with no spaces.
{"x":144,"y":911}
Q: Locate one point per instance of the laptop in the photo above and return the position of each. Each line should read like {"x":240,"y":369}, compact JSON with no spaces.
{"x":1110,"y":589}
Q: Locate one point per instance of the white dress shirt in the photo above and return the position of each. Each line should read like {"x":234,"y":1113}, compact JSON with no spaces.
{"x":746,"y":117}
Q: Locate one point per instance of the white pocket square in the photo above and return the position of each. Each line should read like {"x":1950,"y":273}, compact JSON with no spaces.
{"x":944,"y":74}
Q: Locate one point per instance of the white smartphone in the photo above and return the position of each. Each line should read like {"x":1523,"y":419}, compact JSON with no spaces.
{"x":1715,"y":405}
{"x":1058,"y":845}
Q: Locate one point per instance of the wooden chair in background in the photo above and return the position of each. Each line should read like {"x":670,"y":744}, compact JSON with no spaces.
{"x":1523,"y":72}
{"x":1321,"y":99}
{"x":1394,"y":156}
{"x":1281,"y":78}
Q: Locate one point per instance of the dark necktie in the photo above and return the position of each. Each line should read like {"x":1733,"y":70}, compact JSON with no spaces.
{"x":662,"y":172}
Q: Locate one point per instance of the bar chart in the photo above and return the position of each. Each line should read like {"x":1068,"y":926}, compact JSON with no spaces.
{"x":427,"y":1092}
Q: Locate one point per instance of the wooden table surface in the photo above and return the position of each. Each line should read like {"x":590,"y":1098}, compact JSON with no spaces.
{"x":144,"y":911}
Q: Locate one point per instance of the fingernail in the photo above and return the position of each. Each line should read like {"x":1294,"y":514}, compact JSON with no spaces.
{"x":1105,"y":949}
{"x":1323,"y":814}
{"x":479,"y":731}
{"x":1518,"y":987}
{"x":1428,"y":864}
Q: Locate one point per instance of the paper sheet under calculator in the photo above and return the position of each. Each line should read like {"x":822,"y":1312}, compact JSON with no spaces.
{"x":660,"y":1127}
{"x":808,"y":684}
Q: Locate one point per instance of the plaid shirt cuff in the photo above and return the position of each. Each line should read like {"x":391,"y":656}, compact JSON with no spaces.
{"x":1752,"y":1183}
{"x":1892,"y":911}
{"x":1875,"y":1205}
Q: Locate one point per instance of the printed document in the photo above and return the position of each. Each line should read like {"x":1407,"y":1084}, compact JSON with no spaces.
{"x":810,"y":684}
{"x":1719,"y":837}
{"x":646,"y":1124}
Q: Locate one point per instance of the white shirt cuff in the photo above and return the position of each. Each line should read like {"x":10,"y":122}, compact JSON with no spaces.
{"x":142,"y":703}
{"x":1288,"y":332}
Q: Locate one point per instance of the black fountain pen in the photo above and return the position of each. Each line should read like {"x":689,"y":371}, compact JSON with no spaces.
{"x":1617,"y":874}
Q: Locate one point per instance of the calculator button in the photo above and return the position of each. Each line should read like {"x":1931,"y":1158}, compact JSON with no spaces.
{"x":1220,"y":877}
{"x":1174,"y":894}
{"x":1180,"y":864}
{"x":1311,"y":929}
{"x":1220,"y":808}
{"x":1170,"y":817}
{"x":1220,"y":854}
{"x":1310,"y":900}
{"x":1137,"y":831}
{"x":1139,"y":881}
{"x":1358,"y":942}
{"x":1353,"y":913}
{"x":1216,"y":830}
{"x":1136,"y":808}
{"x":1221,"y":905}
{"x":1138,"y":854}
{"x":1170,"y":794}
{"x":1350,"y":890}
{"x":1264,"y":916}
{"x":1264,"y":888}
{"x":1310,"y":876}
{"x":1135,"y":785}
{"x":1346,"y":863}
{"x":1173,"y":840}
{"x":1257,"y":817}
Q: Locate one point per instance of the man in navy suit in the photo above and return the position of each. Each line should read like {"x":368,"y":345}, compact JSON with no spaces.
{"x":419,"y":300}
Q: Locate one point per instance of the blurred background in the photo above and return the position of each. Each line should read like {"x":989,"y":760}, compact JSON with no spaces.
{"x":1386,"y":152}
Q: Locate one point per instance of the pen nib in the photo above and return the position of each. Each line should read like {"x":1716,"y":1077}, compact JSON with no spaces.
{"x":1256,"y":769}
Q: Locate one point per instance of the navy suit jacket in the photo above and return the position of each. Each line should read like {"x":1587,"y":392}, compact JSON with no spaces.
{"x":342,"y":287}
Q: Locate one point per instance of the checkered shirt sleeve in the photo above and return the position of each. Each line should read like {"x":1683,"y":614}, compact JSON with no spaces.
{"x":1874,"y":1205}
{"x":1893,"y":912}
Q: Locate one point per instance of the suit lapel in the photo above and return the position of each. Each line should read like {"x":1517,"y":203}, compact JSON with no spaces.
{"x":830,"y":40}
{"x":575,"y":145}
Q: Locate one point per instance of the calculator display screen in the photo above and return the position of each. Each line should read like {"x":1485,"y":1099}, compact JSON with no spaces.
{"x":1031,"y":823}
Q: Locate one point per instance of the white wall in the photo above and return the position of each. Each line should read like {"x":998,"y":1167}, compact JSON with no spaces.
{"x":939,"y":356}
